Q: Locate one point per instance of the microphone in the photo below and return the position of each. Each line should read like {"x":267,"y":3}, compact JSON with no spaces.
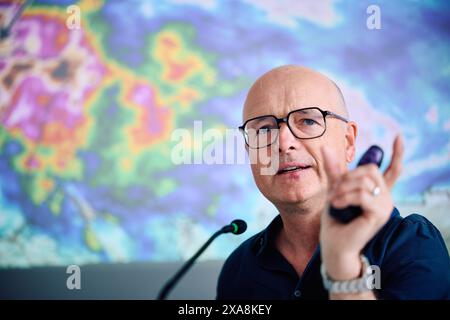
{"x":236,"y":227}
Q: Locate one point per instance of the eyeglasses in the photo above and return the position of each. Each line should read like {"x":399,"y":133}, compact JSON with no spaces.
{"x":306,"y":123}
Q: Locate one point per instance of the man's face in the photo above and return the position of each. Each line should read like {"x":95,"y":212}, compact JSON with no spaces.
{"x":277,"y":93}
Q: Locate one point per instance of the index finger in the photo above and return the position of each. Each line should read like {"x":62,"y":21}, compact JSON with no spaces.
{"x":331,"y":167}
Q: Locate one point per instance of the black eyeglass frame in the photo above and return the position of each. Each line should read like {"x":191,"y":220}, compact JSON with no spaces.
{"x":324,"y":113}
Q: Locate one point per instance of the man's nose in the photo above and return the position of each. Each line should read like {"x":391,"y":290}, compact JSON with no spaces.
{"x":287,"y":141}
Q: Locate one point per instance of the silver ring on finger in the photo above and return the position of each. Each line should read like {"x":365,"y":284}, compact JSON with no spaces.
{"x":376,"y":191}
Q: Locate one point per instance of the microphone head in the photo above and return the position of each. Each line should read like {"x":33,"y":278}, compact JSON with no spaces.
{"x":238,"y":226}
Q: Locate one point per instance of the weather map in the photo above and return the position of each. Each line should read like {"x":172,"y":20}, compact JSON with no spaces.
{"x":87,"y":116}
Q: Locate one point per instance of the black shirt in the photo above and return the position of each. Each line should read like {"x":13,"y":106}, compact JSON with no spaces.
{"x":410,"y":252}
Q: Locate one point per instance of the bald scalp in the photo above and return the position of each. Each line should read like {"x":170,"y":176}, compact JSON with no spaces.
{"x":288,"y":87}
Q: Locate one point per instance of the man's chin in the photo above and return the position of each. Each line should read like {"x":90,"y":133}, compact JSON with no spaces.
{"x":296,"y":199}
{"x":289,"y":193}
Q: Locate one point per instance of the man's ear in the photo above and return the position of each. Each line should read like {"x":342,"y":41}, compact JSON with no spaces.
{"x":350,"y":141}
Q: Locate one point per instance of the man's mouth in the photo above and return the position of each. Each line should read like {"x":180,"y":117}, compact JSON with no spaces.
{"x":292,"y":168}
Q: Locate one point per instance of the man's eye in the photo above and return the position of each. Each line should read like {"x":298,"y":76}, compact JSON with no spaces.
{"x":308,"y":122}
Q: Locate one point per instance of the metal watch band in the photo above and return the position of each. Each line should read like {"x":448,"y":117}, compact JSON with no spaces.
{"x":357,"y":285}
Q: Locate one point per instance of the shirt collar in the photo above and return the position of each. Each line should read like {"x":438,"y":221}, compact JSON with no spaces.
{"x":264,"y":244}
{"x":267,"y":254}
{"x":395,"y":213}
{"x":266,"y":239}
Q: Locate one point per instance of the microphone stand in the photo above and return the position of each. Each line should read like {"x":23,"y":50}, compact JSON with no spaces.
{"x":171,"y":283}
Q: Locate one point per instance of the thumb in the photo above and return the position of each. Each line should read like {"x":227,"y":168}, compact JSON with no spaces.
{"x":395,"y":166}
{"x":331,"y":166}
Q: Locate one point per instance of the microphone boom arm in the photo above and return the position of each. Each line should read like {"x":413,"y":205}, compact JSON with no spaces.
{"x":171,"y":283}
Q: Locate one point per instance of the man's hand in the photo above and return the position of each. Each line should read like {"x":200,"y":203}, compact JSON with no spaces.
{"x":341,"y":244}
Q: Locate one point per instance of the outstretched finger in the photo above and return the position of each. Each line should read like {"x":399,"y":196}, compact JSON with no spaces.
{"x":395,"y":166}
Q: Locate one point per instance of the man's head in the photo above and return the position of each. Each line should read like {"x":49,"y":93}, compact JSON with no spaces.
{"x":279,"y":92}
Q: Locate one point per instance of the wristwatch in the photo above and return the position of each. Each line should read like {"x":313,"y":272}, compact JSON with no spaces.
{"x":357,"y":285}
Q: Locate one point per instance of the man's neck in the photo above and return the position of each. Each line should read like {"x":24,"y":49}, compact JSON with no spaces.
{"x":299,"y":236}
{"x":300,"y":232}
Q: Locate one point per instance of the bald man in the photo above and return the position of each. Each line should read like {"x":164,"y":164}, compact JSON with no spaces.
{"x":297,"y":117}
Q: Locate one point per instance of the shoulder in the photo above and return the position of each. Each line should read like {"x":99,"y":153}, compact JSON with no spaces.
{"x":413,"y":258}
{"x":414,"y":235}
{"x":246,"y":249}
{"x":237,"y":266}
